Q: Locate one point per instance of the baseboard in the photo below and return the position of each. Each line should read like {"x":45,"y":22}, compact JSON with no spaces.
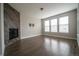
{"x":30,"y":36}
{"x":49,"y":35}
{"x":61,"y":36}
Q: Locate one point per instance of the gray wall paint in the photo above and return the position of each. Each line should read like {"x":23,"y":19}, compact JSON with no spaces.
{"x":2,"y":46}
{"x":25,"y":19}
{"x":78,"y":20}
{"x":78,"y":24}
{"x":27,"y":31}
{"x":2,"y":28}
{"x":0,"y":32}
{"x":72,"y":25}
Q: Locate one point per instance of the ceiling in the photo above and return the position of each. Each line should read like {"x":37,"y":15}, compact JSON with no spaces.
{"x":50,"y":9}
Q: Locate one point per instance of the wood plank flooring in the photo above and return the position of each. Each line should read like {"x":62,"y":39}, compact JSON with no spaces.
{"x":43,"y":46}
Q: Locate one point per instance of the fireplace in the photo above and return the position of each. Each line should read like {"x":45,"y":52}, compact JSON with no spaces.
{"x":13,"y":33}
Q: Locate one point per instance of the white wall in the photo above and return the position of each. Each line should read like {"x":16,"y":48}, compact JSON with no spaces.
{"x":27,"y":31}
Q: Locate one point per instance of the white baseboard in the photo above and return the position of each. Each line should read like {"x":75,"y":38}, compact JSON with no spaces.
{"x":49,"y":35}
{"x":30,"y":36}
{"x":61,"y":36}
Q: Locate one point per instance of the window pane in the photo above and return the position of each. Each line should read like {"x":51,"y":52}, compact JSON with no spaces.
{"x":64,"y":24}
{"x":54,"y":22}
{"x":46,"y":28}
{"x":63,"y":20}
{"x":46,"y":23}
{"x":54,"y":28}
{"x":54,"y":25}
{"x":63,"y":28}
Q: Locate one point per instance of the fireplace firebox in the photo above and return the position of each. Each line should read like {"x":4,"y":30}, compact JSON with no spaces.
{"x":13,"y":33}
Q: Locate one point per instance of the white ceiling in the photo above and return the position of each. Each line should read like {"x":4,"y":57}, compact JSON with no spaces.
{"x":50,"y":9}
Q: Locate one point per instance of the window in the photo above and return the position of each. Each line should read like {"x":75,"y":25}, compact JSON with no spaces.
{"x":46,"y":24}
{"x":60,"y":24}
{"x":54,"y":25}
{"x":64,"y":24}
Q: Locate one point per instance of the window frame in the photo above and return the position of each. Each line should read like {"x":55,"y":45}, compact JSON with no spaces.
{"x":63,"y":24}
{"x":53,"y":25}
{"x":58,"y":25}
{"x":44,"y":25}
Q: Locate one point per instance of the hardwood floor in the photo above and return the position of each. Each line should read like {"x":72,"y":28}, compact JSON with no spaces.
{"x":43,"y":46}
